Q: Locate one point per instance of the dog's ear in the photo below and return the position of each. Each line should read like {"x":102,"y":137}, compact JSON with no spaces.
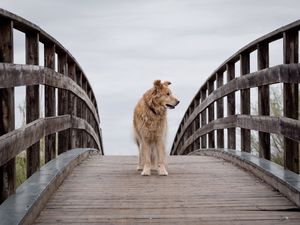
{"x":157,"y":84}
{"x":166,"y":83}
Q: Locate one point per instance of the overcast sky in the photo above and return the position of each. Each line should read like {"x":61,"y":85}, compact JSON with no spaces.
{"x":123,"y":45}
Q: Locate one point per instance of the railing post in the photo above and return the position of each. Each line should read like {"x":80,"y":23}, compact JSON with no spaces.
{"x":245,"y":103}
{"x":79,"y":142}
{"x":72,"y":104}
{"x":50,"y":102}
{"x":290,"y":100}
{"x":263,"y":101}
{"x":211,"y":115}
{"x":32,"y":102}
{"x":220,"y":112}
{"x":63,"y":105}
{"x":84,"y":114}
{"x":231,"y":137}
{"x":203,"y":119}
{"x":7,"y":110}
{"x":196,"y":124}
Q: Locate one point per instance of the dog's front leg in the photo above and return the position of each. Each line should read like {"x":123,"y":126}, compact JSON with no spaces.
{"x":141,"y":159}
{"x":146,"y":152}
{"x":161,"y":159}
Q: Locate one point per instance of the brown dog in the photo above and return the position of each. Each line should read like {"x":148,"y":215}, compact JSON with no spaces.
{"x":150,"y":125}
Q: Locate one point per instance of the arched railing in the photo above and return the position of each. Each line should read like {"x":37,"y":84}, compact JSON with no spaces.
{"x":204,"y":123}
{"x":71,"y":115}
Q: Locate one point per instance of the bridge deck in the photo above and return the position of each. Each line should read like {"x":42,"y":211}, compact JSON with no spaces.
{"x":199,"y":190}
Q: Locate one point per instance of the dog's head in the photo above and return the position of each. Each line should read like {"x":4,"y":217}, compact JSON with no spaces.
{"x":164,"y":95}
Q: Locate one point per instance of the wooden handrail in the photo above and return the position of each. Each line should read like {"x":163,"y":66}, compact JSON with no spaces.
{"x":71,"y":112}
{"x":202,"y":123}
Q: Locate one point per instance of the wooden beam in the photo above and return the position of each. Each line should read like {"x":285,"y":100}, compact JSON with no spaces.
{"x":263,"y":101}
{"x":211,"y":115}
{"x":63,"y":106}
{"x":203,"y":118}
{"x":245,"y":103}
{"x":50,"y":102}
{"x":290,"y":99}
{"x":220,"y":112}
{"x":231,"y":133}
{"x":7,"y":110}
{"x":32,"y":102}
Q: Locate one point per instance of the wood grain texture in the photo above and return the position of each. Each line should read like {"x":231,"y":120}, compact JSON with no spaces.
{"x":199,"y":190}
{"x":32,"y":75}
{"x":7,"y":109}
{"x":15,"y":141}
{"x":32,"y":102}
{"x":277,"y":74}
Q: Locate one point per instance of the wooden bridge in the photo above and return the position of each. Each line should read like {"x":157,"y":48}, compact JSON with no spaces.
{"x":212,"y":184}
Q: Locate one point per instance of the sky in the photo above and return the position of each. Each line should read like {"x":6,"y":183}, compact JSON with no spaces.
{"x":124,"y":45}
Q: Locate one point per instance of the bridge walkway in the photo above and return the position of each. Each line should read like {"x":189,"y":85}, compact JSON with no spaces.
{"x":198,"y":190}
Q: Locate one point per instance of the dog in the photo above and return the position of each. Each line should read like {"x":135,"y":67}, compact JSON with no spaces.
{"x":150,"y":126}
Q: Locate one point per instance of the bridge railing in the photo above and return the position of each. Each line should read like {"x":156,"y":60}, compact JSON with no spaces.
{"x":204,"y":122}
{"x":71,"y":114}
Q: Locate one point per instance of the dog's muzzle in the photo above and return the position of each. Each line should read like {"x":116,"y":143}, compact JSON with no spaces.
{"x":172,"y":106}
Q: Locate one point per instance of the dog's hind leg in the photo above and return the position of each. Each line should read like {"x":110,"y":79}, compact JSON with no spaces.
{"x":141,"y":159}
{"x":146,"y":152}
{"x":161,"y":159}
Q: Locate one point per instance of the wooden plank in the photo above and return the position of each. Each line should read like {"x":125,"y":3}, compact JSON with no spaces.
{"x":32,"y":102}
{"x":263,"y":101}
{"x":63,"y":106}
{"x":245,"y":103}
{"x":79,"y":141}
{"x":33,"y":75}
{"x":281,"y":73}
{"x":15,"y":141}
{"x":220,"y":113}
{"x":84,"y":114}
{"x":290,"y":99}
{"x":203,"y":119}
{"x":50,"y":102}
{"x":231,"y":135}
{"x":7,"y":110}
{"x":180,"y":198}
{"x":72,"y":103}
{"x":196,"y":123}
{"x":211,"y":115}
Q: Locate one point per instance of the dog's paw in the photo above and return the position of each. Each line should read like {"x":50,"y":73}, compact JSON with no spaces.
{"x":139,"y":168}
{"x":146,"y":172}
{"x":162,"y":171}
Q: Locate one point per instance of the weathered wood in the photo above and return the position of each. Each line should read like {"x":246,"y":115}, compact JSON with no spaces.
{"x":63,"y":106}
{"x":79,"y":141}
{"x":196,"y":123}
{"x":277,"y":74}
{"x":84,"y":114}
{"x":263,"y":101}
{"x":245,"y":103}
{"x":50,"y":102}
{"x":211,"y":115}
{"x":290,"y":99}
{"x":33,"y":75}
{"x":32,"y":102}
{"x":7,"y":110}
{"x":220,"y":112}
{"x":15,"y":141}
{"x":192,"y":194}
{"x":231,"y":138}
{"x":203,"y":119}
{"x":72,"y":103}
{"x":268,"y":124}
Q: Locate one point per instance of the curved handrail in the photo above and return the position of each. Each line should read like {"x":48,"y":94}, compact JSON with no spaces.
{"x":71,"y":112}
{"x":199,"y":122}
